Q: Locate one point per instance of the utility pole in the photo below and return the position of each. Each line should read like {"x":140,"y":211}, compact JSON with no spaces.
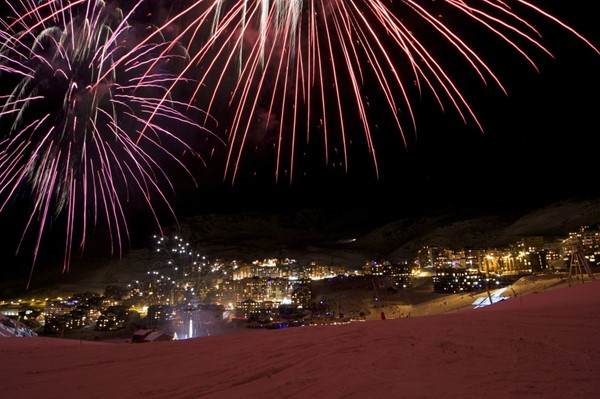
{"x":487,"y":281}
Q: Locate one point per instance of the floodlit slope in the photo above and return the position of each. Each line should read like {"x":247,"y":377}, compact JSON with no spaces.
{"x":13,"y":328}
{"x":541,"y":344}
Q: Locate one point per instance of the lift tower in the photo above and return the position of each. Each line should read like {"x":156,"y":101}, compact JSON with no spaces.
{"x":577,"y":261}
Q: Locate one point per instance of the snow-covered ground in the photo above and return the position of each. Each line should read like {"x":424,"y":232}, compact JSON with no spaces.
{"x":538,"y":345}
{"x":14,"y":328}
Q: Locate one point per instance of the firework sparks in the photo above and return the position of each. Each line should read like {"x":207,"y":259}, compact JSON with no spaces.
{"x":72,"y":119}
{"x":303,"y":66}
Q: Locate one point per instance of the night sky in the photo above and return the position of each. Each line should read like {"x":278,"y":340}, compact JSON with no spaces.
{"x":538,"y":145}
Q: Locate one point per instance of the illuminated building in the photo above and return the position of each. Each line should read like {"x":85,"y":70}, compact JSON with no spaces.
{"x":113,"y":318}
{"x":455,"y":280}
{"x":247,"y":308}
{"x":302,"y":296}
{"x":57,"y":308}
{"x":159,"y":313}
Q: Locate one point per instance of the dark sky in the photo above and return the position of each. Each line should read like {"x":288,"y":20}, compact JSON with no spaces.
{"x":538,"y":141}
{"x":546,"y":123}
{"x":538,"y":145}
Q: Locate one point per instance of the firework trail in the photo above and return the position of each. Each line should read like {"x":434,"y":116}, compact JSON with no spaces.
{"x":180,"y":268}
{"x":72,"y":118}
{"x":295,"y":67}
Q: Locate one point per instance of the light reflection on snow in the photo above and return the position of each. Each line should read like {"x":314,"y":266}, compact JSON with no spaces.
{"x":495,"y":298}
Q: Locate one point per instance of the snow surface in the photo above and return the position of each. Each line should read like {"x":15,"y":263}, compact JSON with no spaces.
{"x":13,"y":328}
{"x":538,"y":345}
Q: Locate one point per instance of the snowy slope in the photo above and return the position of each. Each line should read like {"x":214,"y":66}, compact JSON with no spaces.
{"x":539,"y":345}
{"x":13,"y":328}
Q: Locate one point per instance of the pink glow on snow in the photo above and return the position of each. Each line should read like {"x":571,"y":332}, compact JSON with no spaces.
{"x":538,"y":345}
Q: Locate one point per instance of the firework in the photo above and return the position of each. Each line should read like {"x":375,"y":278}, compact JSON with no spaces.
{"x":73,"y":116}
{"x":185,"y":275}
{"x":297,"y":68}
{"x":178,"y":256}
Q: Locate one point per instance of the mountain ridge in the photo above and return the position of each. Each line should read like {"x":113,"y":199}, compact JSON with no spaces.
{"x":340,"y":237}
